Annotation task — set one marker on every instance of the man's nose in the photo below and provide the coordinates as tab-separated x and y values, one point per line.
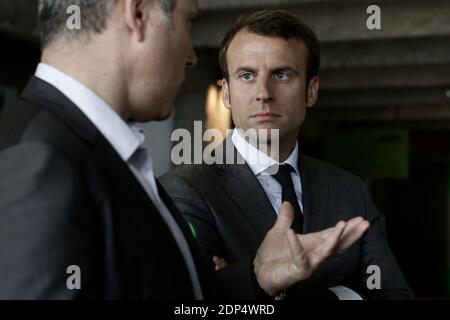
192	59
264	91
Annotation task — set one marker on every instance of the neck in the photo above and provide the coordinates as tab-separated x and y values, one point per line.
88	65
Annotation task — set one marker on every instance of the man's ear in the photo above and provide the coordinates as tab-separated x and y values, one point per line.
313	92
226	94
136	17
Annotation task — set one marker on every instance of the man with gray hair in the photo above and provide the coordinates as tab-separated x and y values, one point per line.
81	214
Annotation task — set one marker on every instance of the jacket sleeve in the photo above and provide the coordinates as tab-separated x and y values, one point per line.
49	246
236	280
196	213
381	277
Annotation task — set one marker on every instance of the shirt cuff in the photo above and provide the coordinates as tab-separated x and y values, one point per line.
344	293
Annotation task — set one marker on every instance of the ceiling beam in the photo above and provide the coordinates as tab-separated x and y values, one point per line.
346	21
382	97
394	52
220	5
385	77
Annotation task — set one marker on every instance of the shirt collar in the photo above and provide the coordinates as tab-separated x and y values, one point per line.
257	160
124	137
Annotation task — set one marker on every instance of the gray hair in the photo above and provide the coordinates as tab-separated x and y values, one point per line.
94	13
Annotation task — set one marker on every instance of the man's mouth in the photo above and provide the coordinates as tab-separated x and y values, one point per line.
266	116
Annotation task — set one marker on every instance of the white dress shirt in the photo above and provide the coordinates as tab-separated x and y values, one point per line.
127	140
259	163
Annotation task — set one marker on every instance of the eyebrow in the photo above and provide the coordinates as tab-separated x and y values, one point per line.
244	68
285	68
276	70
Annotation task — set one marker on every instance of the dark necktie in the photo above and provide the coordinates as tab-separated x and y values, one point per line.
283	176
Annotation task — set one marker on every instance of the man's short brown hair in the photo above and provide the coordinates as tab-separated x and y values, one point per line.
274	23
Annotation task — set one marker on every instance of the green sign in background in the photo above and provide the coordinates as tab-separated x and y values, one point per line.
369	153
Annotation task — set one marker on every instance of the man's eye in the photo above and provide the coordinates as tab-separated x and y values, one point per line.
247	76
281	76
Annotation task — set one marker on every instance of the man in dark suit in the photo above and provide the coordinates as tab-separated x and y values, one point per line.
81	214
270	62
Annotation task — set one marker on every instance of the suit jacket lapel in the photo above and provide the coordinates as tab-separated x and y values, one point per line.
244	189
314	196
147	214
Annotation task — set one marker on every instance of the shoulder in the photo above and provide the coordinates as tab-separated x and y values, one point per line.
191	173
35	161
188	181
35	174
41	150
330	172
32	129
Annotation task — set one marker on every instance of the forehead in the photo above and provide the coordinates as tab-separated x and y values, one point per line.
250	48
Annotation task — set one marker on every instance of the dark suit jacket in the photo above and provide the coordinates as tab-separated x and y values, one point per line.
232	213
67	198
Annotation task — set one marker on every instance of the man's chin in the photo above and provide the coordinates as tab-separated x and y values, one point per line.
165	116
165	113
162	115
267	126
